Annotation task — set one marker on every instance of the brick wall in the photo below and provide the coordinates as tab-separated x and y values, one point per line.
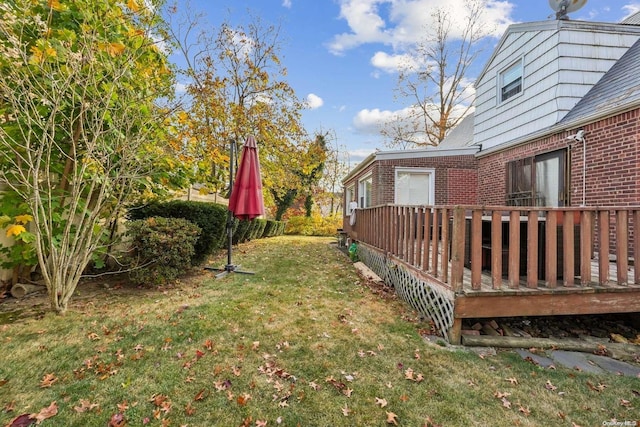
453	173
613	163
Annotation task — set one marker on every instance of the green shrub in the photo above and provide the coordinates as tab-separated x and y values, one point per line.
161	249
258	230
315	225
210	217
241	231
270	228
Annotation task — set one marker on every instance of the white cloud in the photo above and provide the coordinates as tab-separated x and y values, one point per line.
393	63
286	3
400	23
371	121
180	88
314	101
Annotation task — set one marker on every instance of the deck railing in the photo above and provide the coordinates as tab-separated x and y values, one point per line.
516	246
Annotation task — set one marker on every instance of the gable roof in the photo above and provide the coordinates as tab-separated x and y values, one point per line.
460	136
632	20
617	89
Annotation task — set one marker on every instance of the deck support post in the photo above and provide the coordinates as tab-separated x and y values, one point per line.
455	332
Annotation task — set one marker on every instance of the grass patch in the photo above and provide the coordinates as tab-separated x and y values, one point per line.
301	342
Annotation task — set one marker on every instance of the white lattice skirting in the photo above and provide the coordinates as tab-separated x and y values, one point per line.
426	299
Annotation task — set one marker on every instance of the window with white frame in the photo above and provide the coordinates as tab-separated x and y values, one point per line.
365	186
349	197
415	186
510	81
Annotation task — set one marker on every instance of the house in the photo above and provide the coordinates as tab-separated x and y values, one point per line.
555	152
545	82
449	173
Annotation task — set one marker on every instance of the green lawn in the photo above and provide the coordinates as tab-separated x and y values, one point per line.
301	342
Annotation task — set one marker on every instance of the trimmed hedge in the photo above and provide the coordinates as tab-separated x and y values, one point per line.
274	228
161	249
210	217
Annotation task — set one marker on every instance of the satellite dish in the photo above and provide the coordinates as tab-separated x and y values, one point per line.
563	7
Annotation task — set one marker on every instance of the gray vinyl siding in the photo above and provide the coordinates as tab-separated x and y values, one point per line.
562	61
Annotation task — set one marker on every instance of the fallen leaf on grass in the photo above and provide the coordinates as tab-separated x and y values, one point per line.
513	380
202	394
243	399
430	423
23	420
189	409
506	403
117	420
550	386
381	402
85	405
48	380
392	418
525	411
346	411
261	423
626	403
600	387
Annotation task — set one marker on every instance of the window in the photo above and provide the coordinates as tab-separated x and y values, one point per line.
538	180
364	191
414	186
349	196
511	81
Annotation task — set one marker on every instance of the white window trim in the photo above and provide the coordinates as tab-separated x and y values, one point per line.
499	81
366	177
432	181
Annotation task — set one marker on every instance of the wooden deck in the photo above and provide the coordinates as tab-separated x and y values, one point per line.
493	262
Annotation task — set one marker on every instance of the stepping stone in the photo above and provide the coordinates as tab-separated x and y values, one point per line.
615	366
545	362
576	361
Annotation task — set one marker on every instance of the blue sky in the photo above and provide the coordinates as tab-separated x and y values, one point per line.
342	55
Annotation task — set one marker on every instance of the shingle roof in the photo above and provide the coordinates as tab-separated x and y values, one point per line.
632	20
619	87
460	136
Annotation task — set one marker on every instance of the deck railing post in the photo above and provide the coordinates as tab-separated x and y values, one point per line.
444	242
551	249
457	248
622	246
496	249
568	256
532	249
586	247
603	247
514	249
476	248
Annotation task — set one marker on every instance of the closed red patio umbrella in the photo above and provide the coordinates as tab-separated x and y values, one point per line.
246	200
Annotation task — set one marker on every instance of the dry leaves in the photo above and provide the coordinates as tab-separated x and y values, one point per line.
381	402
392	418
48	380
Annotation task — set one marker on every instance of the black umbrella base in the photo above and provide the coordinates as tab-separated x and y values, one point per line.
229	268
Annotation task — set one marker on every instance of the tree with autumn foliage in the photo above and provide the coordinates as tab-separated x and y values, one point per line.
436	83
79	122
236	88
